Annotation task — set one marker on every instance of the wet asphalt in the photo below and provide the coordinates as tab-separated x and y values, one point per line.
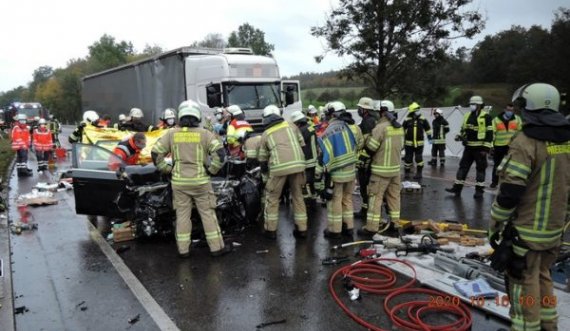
66	282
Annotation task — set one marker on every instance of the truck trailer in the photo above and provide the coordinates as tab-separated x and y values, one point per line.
211	77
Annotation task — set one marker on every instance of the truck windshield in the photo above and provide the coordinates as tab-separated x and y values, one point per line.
29	112
253	96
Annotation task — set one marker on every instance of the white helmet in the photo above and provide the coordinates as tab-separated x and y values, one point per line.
122	117
335	107
21	117
136	113
389	105
439	111
297	115
90	116
234	110
42	121
189	108
476	100
271	110
311	110
168	113
537	96
366	103
218	110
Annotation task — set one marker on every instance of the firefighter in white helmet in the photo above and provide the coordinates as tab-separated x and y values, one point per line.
90	118
167	119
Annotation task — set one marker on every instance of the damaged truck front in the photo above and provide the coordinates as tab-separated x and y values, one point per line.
211	77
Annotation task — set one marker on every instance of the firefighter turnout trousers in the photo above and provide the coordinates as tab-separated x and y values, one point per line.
470	155
339	208
533	303
184	197
412	153
273	190
435	150
378	189
364	173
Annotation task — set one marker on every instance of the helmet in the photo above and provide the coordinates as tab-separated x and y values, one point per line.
21	117
122	117
189	108
413	107
389	105
366	103
438	111
311	110
234	110
271	110
476	100
42	121
168	113
297	116
335	107
218	110
537	96
136	113
90	116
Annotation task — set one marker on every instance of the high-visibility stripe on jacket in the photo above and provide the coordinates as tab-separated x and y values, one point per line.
541	168
127	151
478	129
42	140
338	151
20	138
386	143
281	146
367	124
504	130
414	130
236	131
251	147
310	150
194	151
440	129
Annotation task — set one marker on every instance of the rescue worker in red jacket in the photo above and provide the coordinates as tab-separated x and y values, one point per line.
43	144
236	131
21	144
128	150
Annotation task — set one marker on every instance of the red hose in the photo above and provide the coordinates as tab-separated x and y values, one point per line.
383	284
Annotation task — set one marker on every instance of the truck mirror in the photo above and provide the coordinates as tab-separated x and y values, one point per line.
214	95
289	96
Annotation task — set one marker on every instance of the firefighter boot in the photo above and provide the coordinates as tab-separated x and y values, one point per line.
456	189
433	163
419	171
407	173
478	192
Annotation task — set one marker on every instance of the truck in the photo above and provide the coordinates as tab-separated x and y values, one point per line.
34	111
211	77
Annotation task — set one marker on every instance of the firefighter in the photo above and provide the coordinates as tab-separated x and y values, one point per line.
167	119
220	126
43	144
54	127
532	205
309	150
237	129
338	158
135	122
128	150
384	144
90	118
21	144
440	129
251	149
477	136
105	122
505	126
121	124
281	157
415	126
312	116
369	119
196	153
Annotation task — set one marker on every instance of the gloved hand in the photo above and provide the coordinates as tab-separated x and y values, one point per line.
327	193
502	255
390	116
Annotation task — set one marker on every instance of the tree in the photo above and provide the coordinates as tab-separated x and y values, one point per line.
248	36
40	76
107	53
396	44
212	40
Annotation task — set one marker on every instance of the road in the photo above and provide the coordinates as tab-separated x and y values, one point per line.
69	278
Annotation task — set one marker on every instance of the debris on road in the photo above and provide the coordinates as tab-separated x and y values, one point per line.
21	310
18	227
262	325
135	319
122	249
263	251
123	232
37	198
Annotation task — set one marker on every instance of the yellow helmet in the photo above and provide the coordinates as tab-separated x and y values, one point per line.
413	107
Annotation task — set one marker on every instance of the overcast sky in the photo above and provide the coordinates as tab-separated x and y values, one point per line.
38	32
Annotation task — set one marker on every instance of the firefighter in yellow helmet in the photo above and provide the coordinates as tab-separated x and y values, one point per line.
196	153
415	127
532	206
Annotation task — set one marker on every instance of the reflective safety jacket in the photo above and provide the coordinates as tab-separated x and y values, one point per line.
414	129
282	146
385	144
236	131
20	138
127	151
338	151
54	126
251	147
440	129
535	191
504	129
310	149
42	140
367	124
477	129
195	153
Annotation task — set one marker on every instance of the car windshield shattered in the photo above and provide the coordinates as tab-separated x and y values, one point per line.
95	157
253	96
